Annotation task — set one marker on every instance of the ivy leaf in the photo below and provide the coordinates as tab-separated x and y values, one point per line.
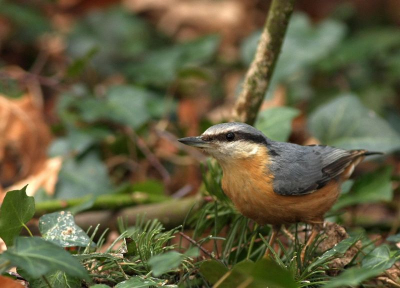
213	270
60	229
57	279
276	276
17	209
276	122
379	258
139	282
124	104
39	257
394	238
168	261
346	123
304	46
74	178
118	35
371	187
161	67
129	105
353	277
252	275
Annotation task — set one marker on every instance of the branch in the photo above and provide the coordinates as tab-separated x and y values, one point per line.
170	213
108	201
260	71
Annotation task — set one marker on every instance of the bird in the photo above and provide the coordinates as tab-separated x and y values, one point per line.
277	183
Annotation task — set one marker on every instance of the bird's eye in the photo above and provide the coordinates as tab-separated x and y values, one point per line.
230	136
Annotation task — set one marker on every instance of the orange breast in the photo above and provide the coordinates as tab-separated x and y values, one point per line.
249	184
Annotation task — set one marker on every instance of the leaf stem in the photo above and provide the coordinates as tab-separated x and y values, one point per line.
27	229
47	281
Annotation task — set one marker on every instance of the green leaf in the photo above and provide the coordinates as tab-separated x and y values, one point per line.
263	273
139	282
213	270
118	35
17	209
158	68
353	277
60	229
129	105
199	51
165	262
100	286
39	257
77	141
369	188
10	88
394	238
29	21
78	65
337	251
124	104
161	67
57	279
170	260
78	178
276	276
304	46
346	123
305	43
379	258
276	122
364	45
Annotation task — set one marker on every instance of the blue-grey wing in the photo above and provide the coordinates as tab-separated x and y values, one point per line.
300	170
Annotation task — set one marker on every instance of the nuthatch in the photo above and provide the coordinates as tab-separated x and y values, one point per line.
274	182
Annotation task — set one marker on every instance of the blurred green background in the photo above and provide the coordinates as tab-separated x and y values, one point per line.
110	85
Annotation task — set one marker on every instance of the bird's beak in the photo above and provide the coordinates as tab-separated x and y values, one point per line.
194	141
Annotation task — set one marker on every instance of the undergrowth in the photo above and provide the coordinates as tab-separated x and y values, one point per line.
216	247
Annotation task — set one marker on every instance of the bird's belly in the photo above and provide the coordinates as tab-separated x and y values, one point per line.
257	200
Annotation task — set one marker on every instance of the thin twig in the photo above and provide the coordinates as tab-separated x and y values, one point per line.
205	251
149	155
39	63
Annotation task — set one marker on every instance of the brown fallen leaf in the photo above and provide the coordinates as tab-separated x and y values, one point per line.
7	282
24	137
45	178
334	234
188	19
3	246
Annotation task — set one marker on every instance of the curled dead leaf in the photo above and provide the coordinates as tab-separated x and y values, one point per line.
185	19
45	178
7	282
334	234
24	138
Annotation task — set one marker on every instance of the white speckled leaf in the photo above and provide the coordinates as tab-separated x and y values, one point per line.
60	228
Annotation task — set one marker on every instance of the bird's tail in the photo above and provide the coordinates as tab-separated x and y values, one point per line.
368	153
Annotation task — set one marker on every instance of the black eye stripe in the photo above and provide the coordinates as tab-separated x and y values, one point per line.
238	135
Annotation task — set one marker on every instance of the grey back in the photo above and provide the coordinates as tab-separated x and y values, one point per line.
300	170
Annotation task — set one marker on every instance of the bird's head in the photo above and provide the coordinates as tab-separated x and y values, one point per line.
229	141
